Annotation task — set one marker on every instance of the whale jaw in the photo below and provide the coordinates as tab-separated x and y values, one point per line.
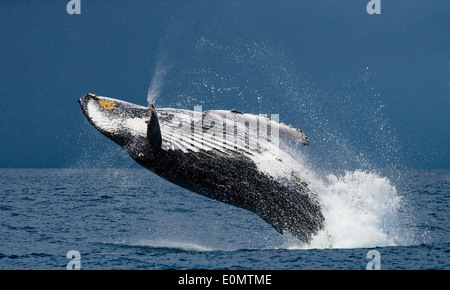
124	123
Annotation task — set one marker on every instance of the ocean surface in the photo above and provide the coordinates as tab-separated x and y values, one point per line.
133	219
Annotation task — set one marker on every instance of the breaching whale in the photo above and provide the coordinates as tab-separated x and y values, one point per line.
228	156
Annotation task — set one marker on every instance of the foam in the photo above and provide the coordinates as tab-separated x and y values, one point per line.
185	246
360	210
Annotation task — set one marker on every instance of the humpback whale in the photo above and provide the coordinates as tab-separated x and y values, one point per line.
227	156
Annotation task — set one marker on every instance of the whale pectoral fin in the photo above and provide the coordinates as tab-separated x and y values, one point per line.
153	131
284	131
291	133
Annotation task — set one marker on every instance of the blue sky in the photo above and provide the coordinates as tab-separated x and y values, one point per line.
366	88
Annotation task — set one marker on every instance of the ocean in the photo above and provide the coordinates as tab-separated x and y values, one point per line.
371	92
129	218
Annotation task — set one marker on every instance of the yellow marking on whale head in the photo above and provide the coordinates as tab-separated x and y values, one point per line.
107	104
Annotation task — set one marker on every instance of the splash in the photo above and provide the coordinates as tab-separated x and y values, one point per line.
361	210
156	84
166	244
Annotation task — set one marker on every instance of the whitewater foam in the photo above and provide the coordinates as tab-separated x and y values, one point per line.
360	209
167	244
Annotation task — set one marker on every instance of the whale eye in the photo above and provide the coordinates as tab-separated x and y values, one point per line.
107	104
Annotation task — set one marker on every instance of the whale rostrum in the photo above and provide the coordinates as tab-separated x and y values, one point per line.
229	156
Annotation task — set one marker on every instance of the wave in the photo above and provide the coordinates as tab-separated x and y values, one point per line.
165	244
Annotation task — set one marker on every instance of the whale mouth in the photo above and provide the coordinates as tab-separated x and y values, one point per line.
118	120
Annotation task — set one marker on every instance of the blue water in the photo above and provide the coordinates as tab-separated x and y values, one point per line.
132	219
370	91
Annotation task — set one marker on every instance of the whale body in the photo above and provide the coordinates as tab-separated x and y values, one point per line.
224	155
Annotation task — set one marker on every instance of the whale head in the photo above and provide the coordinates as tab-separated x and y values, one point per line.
133	127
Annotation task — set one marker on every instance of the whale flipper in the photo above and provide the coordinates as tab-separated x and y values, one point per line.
285	132
192	131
